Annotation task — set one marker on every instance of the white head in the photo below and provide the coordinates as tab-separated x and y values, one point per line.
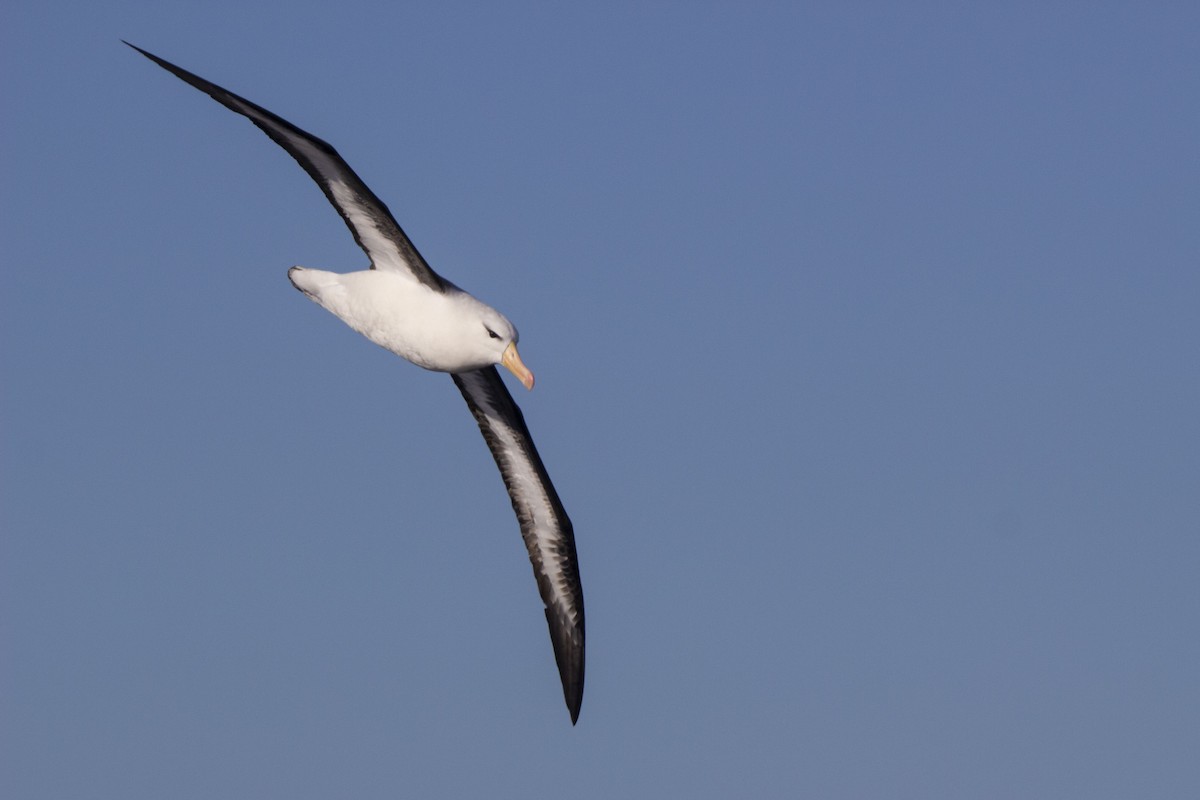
493	339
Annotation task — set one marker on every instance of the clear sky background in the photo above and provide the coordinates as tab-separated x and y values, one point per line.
868	369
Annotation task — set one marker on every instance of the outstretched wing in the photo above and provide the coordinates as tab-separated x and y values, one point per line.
544	524
373	226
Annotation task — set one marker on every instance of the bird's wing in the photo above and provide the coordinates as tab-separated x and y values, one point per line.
373	226
544	524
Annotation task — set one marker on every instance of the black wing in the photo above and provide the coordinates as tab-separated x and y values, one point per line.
544	524
373	226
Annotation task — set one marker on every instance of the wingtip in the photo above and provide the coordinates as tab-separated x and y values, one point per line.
575	710
151	56
572	683
574	697
569	651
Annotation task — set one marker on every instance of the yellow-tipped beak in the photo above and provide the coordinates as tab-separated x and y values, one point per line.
512	361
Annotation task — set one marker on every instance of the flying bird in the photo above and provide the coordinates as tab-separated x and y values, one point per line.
401	304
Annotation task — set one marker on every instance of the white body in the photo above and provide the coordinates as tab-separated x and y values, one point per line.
443	331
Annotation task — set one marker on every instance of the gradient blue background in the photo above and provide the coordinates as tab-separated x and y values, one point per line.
868	369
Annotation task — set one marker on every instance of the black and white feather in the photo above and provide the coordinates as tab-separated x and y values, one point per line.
369	220
545	526
401	304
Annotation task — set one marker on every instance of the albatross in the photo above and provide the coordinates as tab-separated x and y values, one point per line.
401	304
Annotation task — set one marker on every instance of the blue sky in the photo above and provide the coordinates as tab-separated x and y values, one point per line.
866	342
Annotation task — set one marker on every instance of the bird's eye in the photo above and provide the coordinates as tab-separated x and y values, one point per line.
491	332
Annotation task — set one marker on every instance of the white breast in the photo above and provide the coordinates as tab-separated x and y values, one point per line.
399	314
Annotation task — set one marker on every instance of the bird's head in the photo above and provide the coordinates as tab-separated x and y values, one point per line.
498	338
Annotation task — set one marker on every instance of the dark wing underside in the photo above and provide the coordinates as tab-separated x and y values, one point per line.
370	222
544	524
